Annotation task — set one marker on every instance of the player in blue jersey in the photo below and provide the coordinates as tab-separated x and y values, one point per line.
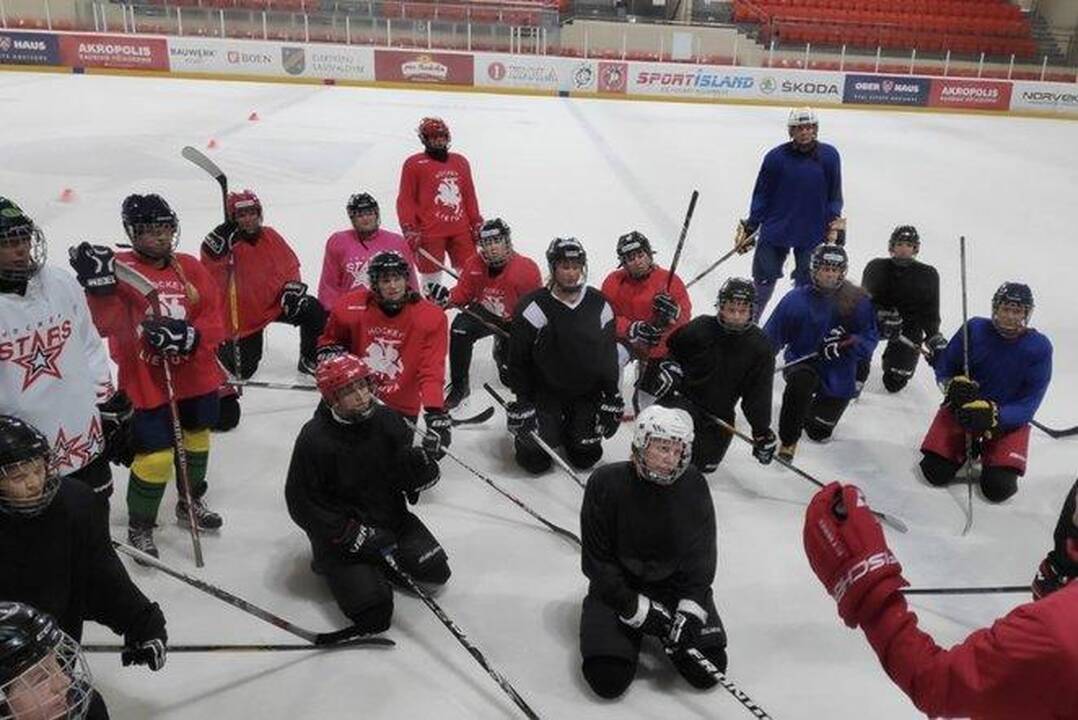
831	323
1010	365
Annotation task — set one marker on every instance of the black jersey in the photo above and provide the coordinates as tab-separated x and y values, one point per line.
350	471
62	562
913	290
721	366
643	538
566	350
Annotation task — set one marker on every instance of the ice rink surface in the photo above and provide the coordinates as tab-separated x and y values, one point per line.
594	169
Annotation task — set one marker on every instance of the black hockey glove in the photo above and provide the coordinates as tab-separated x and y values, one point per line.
935	346
644	333
95	267
520	418
170	336
220	240
116	415
667	379
438	294
438	434
294	300
417	471
889	323
665	308
697	665
835	343
147	642
656	619
359	540
961	391
763	446
979	417
1049	579
608	414
684	631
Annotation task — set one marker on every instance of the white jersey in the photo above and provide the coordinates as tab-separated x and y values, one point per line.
54	368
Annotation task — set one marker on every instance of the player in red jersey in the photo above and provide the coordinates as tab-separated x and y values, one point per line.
645	311
257	275
490	285
400	337
436	205
184	330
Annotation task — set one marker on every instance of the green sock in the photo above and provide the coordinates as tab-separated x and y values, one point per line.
197	462
143	499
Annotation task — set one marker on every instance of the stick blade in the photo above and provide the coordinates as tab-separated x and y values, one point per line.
199	158
477	419
348	635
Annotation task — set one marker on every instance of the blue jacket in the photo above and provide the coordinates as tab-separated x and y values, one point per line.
1013	373
802	319
797	195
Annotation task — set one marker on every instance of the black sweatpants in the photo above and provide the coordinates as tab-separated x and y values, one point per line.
562	423
805	406
463	335
310	322
899	364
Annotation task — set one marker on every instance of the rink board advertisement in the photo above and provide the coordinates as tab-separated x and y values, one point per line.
806	87
970	94
690	80
426	66
232	57
29	48
534	72
123	52
886	90
1045	97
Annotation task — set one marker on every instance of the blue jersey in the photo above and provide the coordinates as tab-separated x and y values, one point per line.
797	195
1012	372
802	319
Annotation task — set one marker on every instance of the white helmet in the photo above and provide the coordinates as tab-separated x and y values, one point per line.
802	116
656	421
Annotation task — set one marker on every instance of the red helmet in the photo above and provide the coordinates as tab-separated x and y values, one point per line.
432	127
244	200
335	372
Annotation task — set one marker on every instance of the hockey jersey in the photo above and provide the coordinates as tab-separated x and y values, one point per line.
797	195
54	369
405	351
631	299
190	295
263	266
344	266
437	198
913	290
497	293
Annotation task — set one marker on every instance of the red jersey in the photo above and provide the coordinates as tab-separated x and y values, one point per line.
1024	666
263	266
119	314
437	199
496	293
631	299
405	352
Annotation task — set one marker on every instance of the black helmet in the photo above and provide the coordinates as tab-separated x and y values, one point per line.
632	241
565	249
140	211
1018	294
906	234
16	227
736	289
22	442
492	231
361	202
382	264
827	255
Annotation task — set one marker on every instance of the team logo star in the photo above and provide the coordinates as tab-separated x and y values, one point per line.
68	452
39	361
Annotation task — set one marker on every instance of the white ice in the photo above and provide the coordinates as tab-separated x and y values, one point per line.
594	169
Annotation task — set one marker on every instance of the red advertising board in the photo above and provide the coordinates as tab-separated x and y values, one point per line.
423	67
969	94
128	52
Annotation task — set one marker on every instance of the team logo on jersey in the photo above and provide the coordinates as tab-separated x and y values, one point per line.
384	359
75	452
494	302
358	271
38	353
449	197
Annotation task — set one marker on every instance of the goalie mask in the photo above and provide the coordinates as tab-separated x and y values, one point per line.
662	444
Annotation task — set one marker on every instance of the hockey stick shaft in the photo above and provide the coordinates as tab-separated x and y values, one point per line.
965	371
701	275
1052	433
504	684
796	361
729	686
464	309
681	239
538	440
1002	589
371	642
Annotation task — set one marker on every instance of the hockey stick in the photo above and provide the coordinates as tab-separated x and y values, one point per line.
460	636
1068	432
749	242
362	642
534	435
199	158
965	371
464	308
135	280
796	361
726	683
567	534
330	638
681	239
967	590
891	520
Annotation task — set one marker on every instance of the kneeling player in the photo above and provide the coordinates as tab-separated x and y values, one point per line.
1061	564
352	468
649	553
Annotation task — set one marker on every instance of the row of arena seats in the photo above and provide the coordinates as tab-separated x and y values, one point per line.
486	12
920	23
955	8
869	37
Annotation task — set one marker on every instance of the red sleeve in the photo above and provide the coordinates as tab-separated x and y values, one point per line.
610	291
1006	670
338	331
471	202
529	279
431	375
407	197
207	317
464	291
109	312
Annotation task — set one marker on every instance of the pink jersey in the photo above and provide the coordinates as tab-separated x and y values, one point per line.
345	265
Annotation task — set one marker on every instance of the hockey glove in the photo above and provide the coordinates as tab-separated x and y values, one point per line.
116	415
763	446
935	346
95	267
520	418
846	549
359	540
836	231
651	617
835	343
644	333
220	240
329	351
438	435
667	379
608	414
147	642
170	336
417	472
743	237
889	322
1049	579
665	308
979	417
961	391
438	294
294	300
